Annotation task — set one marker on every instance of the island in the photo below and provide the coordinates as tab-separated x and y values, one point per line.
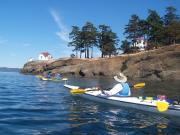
6	69
158	64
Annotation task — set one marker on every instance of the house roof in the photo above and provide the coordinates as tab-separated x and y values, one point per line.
46	54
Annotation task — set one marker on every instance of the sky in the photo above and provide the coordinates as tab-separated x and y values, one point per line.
29	27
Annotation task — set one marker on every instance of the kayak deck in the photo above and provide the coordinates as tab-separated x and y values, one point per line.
71	87
134	100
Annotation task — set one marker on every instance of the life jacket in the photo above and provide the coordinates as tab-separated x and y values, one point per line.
125	91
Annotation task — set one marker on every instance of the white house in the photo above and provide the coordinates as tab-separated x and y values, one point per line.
140	43
45	56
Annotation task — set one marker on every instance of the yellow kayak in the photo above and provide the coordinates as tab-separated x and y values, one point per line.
49	79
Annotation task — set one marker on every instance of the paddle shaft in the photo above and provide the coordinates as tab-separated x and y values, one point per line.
138	85
81	91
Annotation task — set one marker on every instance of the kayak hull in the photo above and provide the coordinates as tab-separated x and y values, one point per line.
128	102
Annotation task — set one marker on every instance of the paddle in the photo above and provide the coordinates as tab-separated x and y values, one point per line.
82	91
139	85
162	106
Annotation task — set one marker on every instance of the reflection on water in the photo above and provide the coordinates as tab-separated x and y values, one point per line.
29	106
112	120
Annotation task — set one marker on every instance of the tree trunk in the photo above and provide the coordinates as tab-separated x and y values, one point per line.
87	52
76	54
174	41
102	55
92	52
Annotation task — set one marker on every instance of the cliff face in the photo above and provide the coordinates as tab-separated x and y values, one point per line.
159	64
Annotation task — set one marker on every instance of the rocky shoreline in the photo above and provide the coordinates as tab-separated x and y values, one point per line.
159	64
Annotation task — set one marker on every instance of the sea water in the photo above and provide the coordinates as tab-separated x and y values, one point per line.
29	106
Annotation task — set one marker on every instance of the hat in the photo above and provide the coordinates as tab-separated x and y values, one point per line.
120	78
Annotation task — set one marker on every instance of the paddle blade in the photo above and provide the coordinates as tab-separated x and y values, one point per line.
139	85
39	76
44	79
162	106
78	91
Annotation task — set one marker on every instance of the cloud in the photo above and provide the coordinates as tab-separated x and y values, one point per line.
63	32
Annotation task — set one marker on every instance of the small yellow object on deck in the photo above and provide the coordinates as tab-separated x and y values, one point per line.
162	106
149	98
139	85
78	91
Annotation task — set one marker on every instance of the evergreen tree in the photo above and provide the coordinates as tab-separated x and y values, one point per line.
173	32
107	40
76	40
132	29
143	29
74	35
102	38
171	21
125	46
156	29
170	16
89	36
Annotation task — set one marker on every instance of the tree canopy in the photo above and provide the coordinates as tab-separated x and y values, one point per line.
132	28
107	40
170	16
156	31
89	36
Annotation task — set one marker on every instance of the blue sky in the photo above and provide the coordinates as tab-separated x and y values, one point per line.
28	27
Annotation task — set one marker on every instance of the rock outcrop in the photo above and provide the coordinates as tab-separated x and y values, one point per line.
158	64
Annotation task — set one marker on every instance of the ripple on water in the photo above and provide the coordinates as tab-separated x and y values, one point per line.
29	106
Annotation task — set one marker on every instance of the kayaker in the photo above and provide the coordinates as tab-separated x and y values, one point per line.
120	89
48	75
58	76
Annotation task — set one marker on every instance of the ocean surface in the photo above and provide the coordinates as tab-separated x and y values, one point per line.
29	106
